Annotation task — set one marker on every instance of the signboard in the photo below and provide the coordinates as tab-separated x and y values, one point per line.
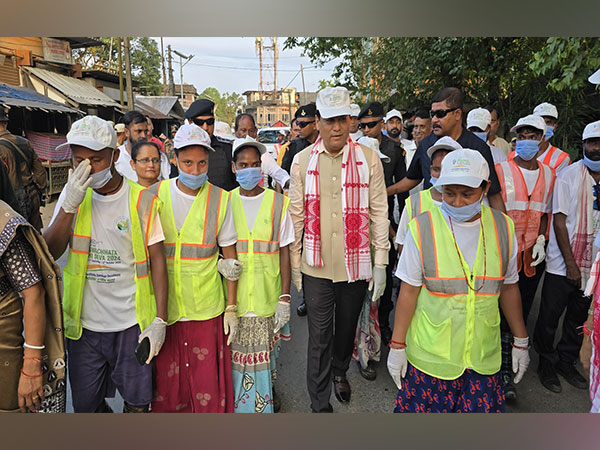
57	51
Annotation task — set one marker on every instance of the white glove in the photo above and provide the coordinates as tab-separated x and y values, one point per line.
397	365
230	268
230	322
271	168
79	181
538	252
155	332
377	283
282	315
520	357
297	278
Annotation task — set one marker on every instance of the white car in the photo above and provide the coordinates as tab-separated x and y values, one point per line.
268	136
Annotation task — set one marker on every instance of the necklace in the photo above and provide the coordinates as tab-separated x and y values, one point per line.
115	189
460	259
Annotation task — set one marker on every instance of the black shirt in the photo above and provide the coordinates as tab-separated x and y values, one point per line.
393	172
219	164
296	146
420	166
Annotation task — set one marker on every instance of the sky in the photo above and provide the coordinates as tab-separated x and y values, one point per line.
231	64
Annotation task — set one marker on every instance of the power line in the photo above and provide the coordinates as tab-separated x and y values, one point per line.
315	69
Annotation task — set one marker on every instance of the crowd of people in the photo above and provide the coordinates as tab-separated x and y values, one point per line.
177	285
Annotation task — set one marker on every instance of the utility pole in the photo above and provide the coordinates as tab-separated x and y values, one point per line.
181	64
120	72
162	60
303	86
171	89
275	69
130	104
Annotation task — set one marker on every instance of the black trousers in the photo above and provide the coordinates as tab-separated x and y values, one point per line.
559	295
386	303
333	310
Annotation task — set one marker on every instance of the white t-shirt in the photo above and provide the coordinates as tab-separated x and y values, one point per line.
109	292
409	267
123	165
498	155
565	200
530	177
403	227
252	205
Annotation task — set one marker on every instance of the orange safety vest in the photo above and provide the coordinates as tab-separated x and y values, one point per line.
525	210
554	157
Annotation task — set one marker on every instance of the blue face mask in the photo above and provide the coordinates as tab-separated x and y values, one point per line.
193	181
481	135
527	149
549	132
594	166
461	213
433	180
249	178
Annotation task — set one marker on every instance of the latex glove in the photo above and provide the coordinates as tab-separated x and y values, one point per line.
156	333
230	322
297	278
282	315
78	182
520	357
230	268
377	283
397	365
538	253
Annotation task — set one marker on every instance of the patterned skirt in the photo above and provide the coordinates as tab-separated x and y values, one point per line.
254	353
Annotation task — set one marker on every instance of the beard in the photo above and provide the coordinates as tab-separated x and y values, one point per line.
394	132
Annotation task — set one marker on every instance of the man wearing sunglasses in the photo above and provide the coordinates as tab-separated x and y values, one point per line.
201	112
446	120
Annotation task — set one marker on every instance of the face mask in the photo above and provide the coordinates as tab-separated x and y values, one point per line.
461	213
99	179
594	166
433	180
549	133
527	149
193	181
249	178
481	135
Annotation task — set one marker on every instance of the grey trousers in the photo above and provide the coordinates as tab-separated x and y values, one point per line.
333	311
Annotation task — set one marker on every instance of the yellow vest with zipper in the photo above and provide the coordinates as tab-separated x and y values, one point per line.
259	286
143	206
455	327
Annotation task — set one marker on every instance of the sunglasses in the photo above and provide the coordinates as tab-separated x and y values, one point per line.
440	113
304	124
201	122
364	125
597	197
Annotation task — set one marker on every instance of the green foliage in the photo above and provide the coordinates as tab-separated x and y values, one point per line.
226	105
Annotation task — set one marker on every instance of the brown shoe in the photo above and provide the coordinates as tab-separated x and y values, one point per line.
341	388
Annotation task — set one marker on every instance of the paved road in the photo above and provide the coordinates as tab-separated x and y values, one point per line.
378	396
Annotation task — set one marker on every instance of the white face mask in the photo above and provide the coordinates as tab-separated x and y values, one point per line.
99	179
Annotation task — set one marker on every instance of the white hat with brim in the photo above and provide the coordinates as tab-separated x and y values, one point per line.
595	77
191	134
392	113
354	110
480	118
443	143
333	102
546	109
532	120
591	130
373	144
464	167
91	132
248	142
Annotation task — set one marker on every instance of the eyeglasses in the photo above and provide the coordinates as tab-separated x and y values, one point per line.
597	195
146	161
440	113
201	122
304	124
364	125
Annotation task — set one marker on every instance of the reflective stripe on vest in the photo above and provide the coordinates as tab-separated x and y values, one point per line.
419	202
555	157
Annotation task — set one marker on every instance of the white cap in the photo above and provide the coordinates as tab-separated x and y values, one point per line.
546	109
373	144
191	134
248	142
591	130
392	113
120	128
91	132
532	120
479	117
223	129
595	77
465	167
333	102
354	110
443	143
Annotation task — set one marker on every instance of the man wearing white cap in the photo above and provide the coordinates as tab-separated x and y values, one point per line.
446	331
394	126
550	154
478	122
527	187
355	133
197	221
264	230
121	136
576	219
339	209
115	237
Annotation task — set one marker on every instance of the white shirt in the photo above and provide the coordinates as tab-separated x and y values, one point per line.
409	267
403	226
530	177
123	165
561	166
565	200
109	292
356	136
497	155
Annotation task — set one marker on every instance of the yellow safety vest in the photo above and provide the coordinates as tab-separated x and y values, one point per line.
195	287
455	327
143	206
418	203
259	286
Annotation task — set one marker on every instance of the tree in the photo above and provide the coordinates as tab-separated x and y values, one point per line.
226	105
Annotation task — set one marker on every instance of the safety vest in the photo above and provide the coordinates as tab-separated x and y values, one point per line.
143	206
418	203
455	327
280	151
195	287
259	286
525	210
554	157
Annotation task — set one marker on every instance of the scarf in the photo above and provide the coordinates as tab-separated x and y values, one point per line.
583	239
593	289
355	211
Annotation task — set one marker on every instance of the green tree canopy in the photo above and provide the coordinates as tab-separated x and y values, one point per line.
226	105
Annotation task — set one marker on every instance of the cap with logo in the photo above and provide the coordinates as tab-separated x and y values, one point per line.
371	109
532	120
201	107
248	142
333	102
309	110
120	128
191	134
480	118
546	109
443	143
354	110
393	113
91	132
373	144
464	167
591	130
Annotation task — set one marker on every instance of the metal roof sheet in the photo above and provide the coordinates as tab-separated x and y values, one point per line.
167	105
28	98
